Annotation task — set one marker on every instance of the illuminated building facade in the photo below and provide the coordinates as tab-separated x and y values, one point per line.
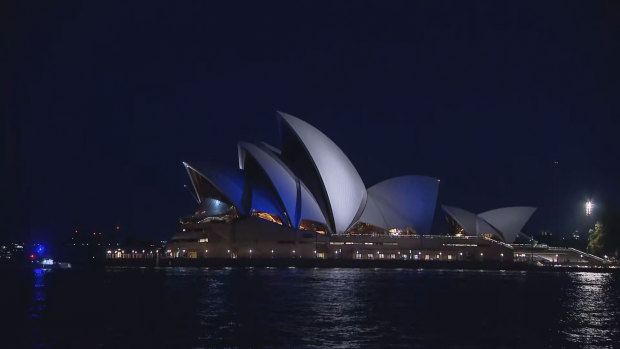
307	200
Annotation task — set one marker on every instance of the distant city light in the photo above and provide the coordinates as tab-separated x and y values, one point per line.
47	262
589	206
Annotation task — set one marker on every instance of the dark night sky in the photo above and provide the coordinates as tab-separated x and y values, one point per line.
102	101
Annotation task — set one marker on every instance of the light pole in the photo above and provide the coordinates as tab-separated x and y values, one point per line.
589	206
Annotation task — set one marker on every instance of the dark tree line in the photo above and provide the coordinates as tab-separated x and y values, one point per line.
605	236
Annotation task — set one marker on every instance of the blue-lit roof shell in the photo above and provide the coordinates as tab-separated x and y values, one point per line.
406	201
294	196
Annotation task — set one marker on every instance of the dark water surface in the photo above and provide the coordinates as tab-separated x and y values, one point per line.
200	307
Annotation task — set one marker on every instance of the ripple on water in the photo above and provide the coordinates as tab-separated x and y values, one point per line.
340	308
591	309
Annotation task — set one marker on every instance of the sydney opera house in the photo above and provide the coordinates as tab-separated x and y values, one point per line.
307	200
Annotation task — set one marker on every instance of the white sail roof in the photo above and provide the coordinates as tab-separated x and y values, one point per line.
466	219
343	196
506	223
509	220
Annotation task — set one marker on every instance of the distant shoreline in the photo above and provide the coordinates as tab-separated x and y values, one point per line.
347	263
320	263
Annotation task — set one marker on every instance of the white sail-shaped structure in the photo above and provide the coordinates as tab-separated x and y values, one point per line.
310	179
504	223
326	170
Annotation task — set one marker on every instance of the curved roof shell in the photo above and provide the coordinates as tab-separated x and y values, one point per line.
467	220
282	181
406	201
509	220
483	227
309	208
373	214
326	170
224	185
311	178
506	223
232	187
294	196
260	197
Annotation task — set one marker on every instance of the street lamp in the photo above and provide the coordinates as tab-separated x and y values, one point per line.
589	206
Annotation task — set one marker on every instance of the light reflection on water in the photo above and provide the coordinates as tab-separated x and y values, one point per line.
282	304
340	308
365	307
591	309
37	306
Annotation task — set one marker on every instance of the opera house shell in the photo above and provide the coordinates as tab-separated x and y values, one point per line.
311	181
504	224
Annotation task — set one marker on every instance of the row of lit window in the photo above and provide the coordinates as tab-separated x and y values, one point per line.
363	243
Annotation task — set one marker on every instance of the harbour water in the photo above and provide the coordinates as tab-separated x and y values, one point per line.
305	307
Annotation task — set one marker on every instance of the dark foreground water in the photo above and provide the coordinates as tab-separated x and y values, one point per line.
193	308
